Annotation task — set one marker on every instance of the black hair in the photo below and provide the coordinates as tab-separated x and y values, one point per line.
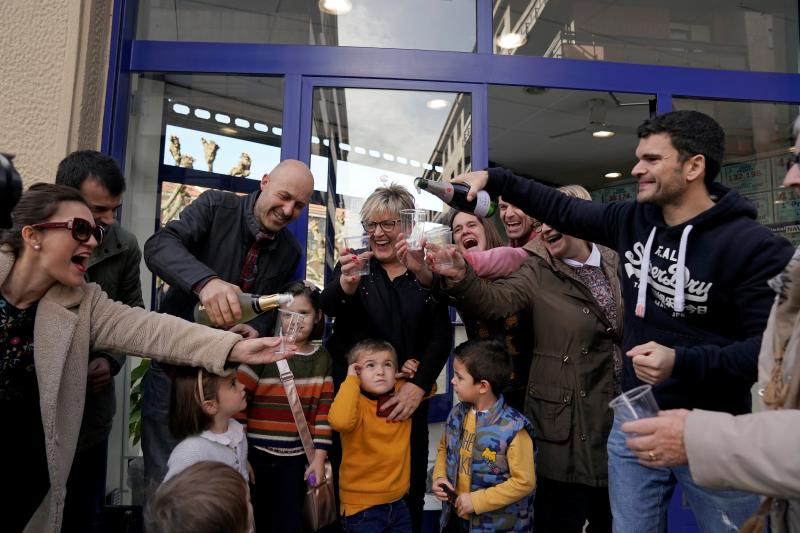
312	292
83	164
692	133
486	360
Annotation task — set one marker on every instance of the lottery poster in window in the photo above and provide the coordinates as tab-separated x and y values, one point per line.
764	205
786	207
780	165
749	177
620	193
598	196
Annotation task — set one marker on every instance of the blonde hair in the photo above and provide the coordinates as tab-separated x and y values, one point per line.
391	199
576	191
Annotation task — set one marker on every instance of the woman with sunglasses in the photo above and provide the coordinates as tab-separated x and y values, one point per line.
50	319
390	305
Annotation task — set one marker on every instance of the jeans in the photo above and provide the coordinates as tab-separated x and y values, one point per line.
157	440
385	518
640	495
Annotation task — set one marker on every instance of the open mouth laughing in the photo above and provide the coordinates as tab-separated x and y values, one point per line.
469	242
81	262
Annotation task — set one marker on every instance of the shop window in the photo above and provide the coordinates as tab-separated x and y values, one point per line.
412	24
760	36
566	137
758	137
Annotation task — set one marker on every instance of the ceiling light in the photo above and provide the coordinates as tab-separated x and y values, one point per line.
511	40
603	133
436	103
613	175
335	7
228	130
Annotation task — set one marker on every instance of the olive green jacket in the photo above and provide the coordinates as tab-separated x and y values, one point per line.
571	377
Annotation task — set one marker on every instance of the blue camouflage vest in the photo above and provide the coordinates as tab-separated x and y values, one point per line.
494	431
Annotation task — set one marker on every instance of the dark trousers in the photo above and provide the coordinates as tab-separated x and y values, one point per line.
456	524
157	440
564	507
86	488
278	492
419	466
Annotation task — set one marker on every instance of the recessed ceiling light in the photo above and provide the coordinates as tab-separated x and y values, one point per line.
335	7
437	103
511	40
603	134
228	130
613	175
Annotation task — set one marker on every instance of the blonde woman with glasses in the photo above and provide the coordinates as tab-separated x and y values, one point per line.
389	304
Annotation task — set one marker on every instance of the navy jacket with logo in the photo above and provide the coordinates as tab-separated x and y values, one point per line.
728	258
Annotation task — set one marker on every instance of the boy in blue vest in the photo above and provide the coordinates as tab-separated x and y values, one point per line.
484	470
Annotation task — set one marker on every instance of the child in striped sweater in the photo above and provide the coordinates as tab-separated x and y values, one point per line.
276	453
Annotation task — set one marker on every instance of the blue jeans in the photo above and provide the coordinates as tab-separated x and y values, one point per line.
640	495
385	518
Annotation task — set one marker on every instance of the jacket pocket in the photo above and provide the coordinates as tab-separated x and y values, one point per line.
550	410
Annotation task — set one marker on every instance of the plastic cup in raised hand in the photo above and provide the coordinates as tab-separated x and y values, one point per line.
438	244
287	326
358	245
412	225
634	404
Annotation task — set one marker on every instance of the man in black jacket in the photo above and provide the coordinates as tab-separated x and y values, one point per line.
222	245
115	267
694	267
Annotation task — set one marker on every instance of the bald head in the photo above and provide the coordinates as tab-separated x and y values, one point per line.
284	194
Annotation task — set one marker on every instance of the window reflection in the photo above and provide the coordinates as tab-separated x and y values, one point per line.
758	36
412	24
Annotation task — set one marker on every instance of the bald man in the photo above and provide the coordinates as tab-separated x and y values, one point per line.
222	245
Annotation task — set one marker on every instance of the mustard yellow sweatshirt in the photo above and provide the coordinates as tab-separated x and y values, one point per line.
376	454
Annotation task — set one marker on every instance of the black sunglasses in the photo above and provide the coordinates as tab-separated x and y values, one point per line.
795	160
82	230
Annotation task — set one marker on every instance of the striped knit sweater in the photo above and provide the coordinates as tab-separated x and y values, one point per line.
268	418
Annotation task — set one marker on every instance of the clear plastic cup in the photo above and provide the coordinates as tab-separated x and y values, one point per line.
634	404
412	225
358	245
438	247
287	326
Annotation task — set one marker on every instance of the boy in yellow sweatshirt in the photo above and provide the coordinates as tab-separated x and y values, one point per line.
484	469
376	454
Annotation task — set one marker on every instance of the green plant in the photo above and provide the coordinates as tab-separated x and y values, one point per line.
135	418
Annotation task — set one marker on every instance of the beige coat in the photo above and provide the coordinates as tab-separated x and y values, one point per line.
71	322
759	452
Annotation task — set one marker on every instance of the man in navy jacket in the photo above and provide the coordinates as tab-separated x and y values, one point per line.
693	324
